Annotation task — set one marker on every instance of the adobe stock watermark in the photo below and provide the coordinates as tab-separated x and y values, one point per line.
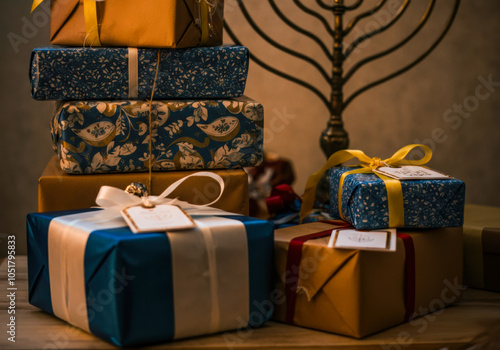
265	308
456	114
449	294
378	20
95	303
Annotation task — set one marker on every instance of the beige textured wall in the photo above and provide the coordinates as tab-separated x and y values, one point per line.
409	109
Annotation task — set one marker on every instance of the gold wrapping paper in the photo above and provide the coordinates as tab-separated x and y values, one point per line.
482	247
60	191
357	293
132	23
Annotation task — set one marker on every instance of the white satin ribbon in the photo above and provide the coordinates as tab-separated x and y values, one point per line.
210	277
67	240
113	199
209	263
133	73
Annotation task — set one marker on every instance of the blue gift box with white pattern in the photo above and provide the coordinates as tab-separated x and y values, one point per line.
78	73
427	203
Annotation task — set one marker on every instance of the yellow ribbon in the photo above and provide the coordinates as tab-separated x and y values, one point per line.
35	4
205	25
91	23
393	186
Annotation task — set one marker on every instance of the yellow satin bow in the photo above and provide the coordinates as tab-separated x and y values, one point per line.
393	186
92	23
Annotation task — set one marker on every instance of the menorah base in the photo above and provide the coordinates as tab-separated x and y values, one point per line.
333	139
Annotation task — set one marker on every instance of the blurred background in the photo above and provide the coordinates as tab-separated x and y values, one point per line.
449	102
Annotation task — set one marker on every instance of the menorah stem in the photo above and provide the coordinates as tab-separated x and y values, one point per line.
334	137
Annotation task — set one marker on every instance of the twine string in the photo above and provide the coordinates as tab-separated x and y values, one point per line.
150	122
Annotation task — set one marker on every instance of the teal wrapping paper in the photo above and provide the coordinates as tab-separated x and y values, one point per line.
129	280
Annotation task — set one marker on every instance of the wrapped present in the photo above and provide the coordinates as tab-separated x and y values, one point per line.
358	292
371	200
145	23
78	73
115	136
54	186
88	268
482	247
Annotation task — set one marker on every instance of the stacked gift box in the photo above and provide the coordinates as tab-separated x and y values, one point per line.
358	292
153	100
155	104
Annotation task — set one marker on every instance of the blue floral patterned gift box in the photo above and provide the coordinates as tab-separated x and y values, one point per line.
119	73
427	203
396	192
115	136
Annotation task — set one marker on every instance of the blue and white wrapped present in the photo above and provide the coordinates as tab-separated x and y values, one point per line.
134	289
427	203
76	73
114	136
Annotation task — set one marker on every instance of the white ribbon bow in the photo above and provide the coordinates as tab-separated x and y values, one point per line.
113	199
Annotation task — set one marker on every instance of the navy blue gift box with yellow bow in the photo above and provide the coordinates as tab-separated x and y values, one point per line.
369	200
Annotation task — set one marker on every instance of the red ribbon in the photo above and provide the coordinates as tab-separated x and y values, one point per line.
409	275
293	265
293	269
282	197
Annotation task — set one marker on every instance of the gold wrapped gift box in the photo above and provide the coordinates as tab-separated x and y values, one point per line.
60	191
357	293
133	23
482	247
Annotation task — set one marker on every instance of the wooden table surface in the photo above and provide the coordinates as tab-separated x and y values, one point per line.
473	324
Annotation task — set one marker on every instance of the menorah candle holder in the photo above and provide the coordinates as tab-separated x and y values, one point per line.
335	137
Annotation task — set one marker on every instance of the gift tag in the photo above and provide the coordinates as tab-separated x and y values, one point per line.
364	240
410	172
157	219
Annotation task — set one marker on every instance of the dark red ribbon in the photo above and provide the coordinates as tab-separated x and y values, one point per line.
295	255
293	265
282	197
409	275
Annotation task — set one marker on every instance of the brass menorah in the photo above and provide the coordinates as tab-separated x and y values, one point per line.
335	137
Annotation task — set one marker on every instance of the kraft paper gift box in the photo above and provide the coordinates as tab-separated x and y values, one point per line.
482	247
129	73
427	203
357	293
136	289
60	191
114	136
131	23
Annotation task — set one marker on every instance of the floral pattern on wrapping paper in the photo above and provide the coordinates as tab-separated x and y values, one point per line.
427	203
107	137
102	73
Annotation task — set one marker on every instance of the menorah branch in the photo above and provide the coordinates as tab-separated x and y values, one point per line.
356	19
283	48
379	30
334	137
390	50
300	30
410	65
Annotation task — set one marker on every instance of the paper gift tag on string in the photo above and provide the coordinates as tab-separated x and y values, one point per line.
159	218
381	240
410	172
